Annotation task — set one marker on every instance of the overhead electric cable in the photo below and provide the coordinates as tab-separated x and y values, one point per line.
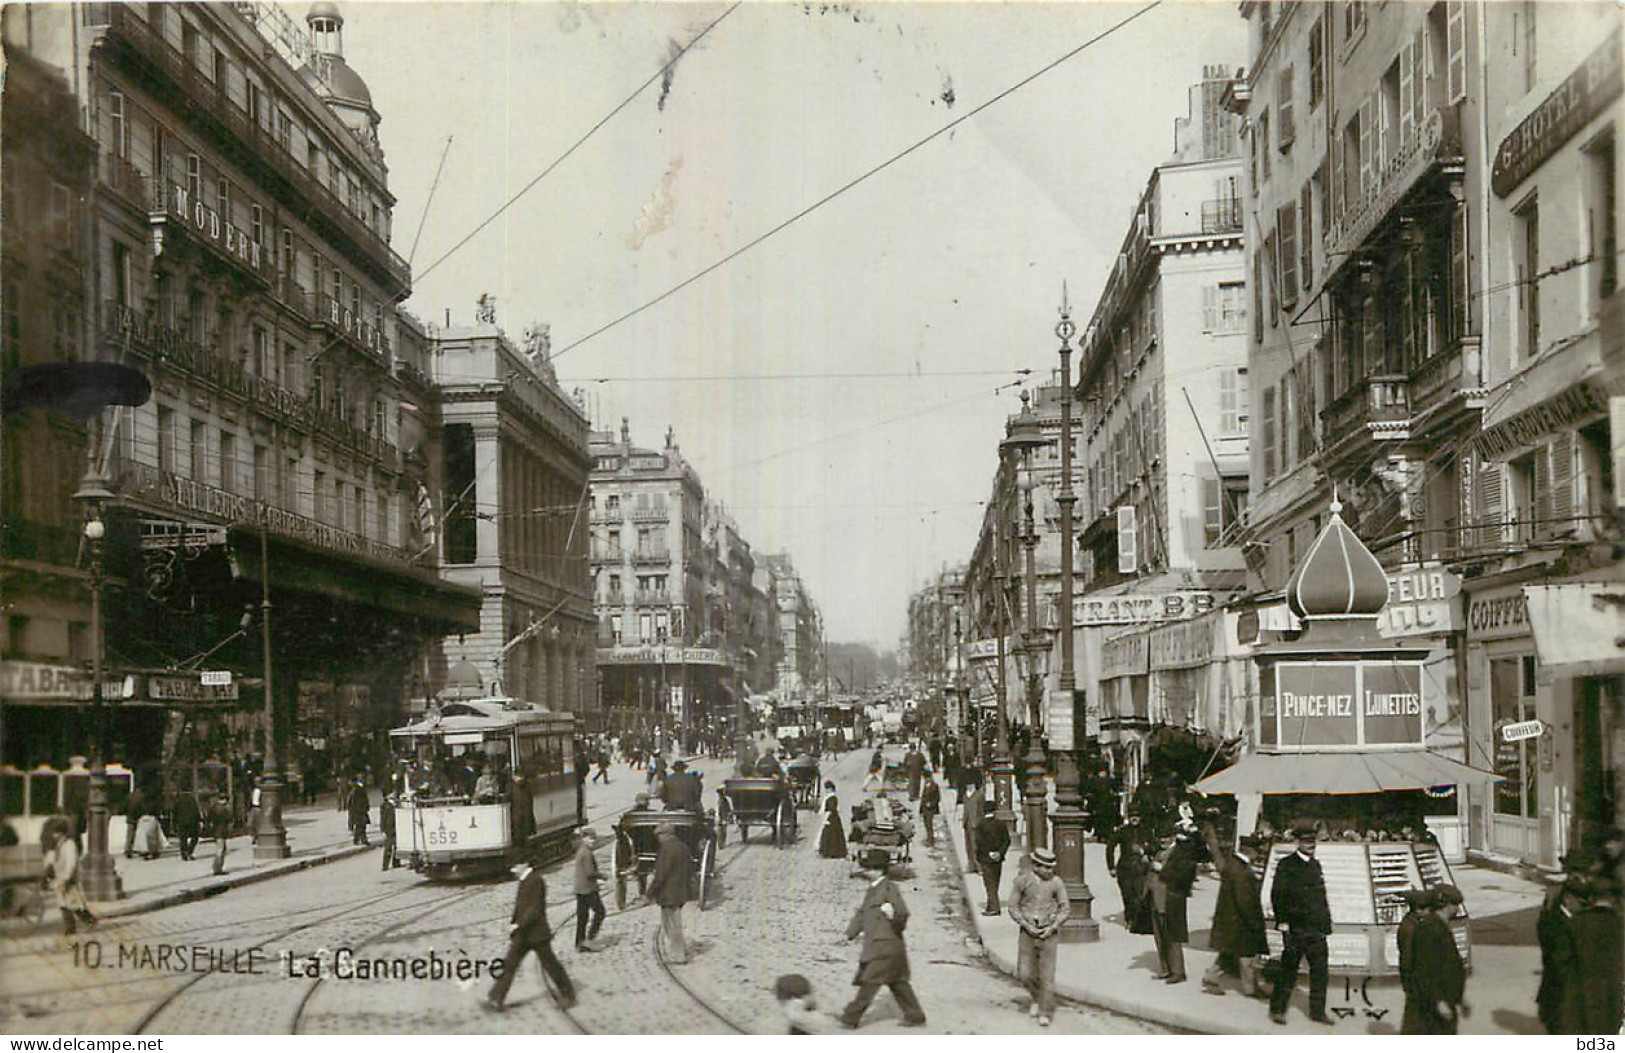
832	195
492	218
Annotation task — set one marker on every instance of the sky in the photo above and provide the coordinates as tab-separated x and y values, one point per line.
842	386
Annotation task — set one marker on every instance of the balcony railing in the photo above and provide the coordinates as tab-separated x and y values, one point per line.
201	92
124	328
1374	400
649	515
1221	215
342	321
125	180
651	597
1451	372
652	555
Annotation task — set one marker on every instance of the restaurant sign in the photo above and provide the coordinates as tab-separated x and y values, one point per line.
1348	705
1140	608
1584	95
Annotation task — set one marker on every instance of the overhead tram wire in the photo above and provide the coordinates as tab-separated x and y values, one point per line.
832	195
492	218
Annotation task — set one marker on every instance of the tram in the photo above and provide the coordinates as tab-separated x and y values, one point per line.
481	783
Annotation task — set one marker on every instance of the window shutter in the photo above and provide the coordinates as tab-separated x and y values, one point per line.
1368	128
1284	105
1539	512
1490	504
1419	87
1229	422
1128	540
1210	308
1306	240
1455	50
1269	433
1560	495
1407	101
1287	224
1212	512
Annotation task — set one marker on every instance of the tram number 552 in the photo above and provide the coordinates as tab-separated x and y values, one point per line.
442	837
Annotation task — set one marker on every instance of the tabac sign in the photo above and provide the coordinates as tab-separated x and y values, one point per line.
1346	705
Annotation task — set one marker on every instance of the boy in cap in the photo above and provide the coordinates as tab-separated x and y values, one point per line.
1039	906
801	1015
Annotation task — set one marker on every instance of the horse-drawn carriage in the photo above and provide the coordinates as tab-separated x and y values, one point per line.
765	801
637	846
802	774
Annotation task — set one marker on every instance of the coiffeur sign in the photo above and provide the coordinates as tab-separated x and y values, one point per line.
1348	705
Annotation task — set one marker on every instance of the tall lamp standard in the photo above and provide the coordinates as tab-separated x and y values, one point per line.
98	876
271	838
1001	769
1081	926
1024	436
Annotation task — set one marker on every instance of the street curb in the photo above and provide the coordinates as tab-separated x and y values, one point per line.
215	888
1083	996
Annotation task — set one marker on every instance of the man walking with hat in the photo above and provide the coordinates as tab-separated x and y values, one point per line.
1430	967
1039	906
1298	898
992	842
880	920
669	888
589	904
530	932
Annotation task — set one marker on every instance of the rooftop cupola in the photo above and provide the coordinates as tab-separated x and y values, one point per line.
1339	577
341	87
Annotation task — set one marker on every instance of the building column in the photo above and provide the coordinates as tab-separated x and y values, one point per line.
488	492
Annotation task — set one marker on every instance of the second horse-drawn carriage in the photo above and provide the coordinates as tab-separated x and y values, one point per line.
762	801
637	846
802	774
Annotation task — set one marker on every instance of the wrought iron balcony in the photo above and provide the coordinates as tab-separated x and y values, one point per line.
1457	370
1221	215
342	321
652	555
649	515
1381	399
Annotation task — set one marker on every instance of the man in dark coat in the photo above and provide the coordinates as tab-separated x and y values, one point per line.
360	813
669	887
135	806
880	920
386	826
220	823
188	822
970	802
992	842
1238	919
1173	875
683	790
530	932
1430	968
1298	898
914	768
930	805
1580	951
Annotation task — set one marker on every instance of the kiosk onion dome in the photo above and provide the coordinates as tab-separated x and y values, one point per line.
1339	577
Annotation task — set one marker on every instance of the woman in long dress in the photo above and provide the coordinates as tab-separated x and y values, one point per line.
832	841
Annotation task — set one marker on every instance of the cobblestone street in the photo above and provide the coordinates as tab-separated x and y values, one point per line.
777	911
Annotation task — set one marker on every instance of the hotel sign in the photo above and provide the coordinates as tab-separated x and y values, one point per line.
1580	98
1347	705
1140	608
1392	181
220	234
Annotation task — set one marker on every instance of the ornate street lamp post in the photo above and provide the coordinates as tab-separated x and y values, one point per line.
1001	770
1069	817
1025	435
271	838
98	876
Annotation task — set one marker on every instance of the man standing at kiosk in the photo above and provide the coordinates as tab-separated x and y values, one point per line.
1304	917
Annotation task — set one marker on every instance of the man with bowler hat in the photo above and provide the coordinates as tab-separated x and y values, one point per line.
880	920
992	842
1305	918
530	932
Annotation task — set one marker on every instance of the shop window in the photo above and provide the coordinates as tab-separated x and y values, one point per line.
1512	701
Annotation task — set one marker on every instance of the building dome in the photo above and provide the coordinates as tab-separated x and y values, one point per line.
323	9
327	72
1339	577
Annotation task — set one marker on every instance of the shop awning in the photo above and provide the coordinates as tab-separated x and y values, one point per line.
1579	627
1342	773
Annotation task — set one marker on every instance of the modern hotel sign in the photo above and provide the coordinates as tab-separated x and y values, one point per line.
1347	705
207	224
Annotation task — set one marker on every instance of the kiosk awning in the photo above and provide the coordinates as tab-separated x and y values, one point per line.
1342	773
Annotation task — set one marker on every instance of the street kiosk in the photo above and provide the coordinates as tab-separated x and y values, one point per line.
1340	746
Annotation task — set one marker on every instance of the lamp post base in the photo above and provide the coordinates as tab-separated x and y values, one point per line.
271	837
1003	774
99	879
1069	821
